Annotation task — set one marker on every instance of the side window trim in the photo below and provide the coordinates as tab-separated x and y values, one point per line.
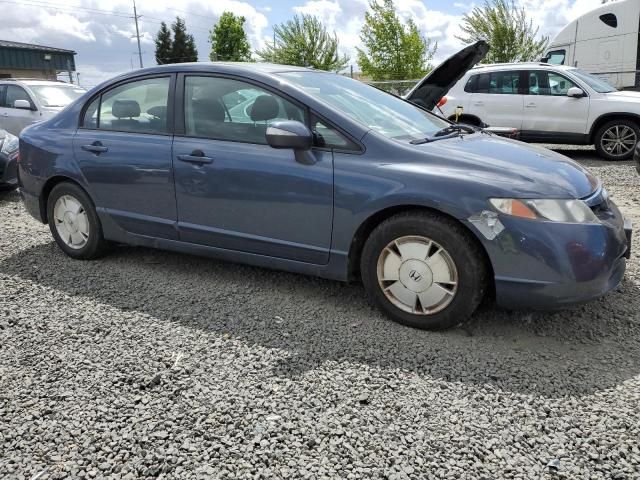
179	117
30	100
574	82
314	115
170	126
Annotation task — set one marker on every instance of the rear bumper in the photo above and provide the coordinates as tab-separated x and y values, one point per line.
32	205
8	170
548	265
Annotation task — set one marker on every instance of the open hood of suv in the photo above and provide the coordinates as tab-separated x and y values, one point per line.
428	92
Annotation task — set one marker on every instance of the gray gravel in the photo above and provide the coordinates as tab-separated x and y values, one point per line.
149	364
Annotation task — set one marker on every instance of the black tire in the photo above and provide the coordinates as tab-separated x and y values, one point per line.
463	250
96	245
622	124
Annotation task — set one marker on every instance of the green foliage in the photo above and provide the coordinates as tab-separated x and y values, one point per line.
163	45
391	50
304	41
184	47
507	29
229	40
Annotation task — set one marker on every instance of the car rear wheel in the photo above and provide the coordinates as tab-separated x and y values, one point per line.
74	223
617	139
424	270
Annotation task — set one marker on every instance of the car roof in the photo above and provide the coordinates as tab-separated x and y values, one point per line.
519	66
33	81
259	67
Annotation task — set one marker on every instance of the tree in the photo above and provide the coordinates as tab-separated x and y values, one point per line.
507	29
184	47
305	41
229	40
392	51
163	45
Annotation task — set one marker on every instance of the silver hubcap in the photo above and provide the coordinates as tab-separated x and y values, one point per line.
619	140
72	222
417	275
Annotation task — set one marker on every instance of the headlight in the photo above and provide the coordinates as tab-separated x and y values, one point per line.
569	211
9	144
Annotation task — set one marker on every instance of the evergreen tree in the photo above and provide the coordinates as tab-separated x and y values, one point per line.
229	40
183	48
164	45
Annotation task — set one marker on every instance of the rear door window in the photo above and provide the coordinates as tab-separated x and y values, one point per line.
138	107
497	83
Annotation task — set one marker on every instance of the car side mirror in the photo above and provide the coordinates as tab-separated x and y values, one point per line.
22	104
575	92
292	135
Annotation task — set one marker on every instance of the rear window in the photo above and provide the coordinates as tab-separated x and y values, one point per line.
495	83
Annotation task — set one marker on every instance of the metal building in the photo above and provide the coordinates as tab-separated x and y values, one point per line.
34	61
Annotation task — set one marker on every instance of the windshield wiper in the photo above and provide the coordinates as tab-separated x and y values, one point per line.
448	132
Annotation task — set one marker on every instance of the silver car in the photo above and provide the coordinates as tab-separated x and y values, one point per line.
24	101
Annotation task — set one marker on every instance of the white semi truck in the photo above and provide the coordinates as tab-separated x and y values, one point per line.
604	41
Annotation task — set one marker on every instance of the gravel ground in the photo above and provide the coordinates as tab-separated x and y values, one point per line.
149	364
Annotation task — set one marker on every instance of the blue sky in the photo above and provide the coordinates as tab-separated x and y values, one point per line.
101	31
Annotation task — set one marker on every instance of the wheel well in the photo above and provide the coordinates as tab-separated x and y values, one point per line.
609	117
46	191
468	119
365	229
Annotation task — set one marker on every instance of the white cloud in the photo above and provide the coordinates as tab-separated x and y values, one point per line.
105	45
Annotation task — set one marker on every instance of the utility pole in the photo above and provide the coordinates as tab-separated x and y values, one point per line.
136	17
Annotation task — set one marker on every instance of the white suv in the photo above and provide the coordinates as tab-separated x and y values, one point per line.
548	104
24	101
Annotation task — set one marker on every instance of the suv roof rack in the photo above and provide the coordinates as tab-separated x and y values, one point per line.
514	64
20	79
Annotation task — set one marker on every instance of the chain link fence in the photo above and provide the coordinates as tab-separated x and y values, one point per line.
396	87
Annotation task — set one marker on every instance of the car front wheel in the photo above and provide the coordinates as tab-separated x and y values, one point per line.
74	223
617	139
424	270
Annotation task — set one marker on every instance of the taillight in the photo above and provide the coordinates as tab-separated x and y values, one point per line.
18	157
442	102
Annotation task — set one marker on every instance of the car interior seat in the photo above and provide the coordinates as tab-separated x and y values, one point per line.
264	108
127	114
207	118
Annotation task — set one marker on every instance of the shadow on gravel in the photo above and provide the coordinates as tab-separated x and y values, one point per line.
313	321
9	196
588	157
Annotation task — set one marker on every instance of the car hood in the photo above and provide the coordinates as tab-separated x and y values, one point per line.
509	167
428	92
624	96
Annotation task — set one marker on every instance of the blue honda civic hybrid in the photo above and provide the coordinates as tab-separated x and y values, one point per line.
320	174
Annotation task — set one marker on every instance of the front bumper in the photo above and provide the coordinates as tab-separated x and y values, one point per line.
547	265
8	170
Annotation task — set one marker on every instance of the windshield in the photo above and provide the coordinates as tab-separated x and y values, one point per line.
597	83
57	95
380	111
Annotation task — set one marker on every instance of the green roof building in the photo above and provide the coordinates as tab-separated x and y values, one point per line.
25	60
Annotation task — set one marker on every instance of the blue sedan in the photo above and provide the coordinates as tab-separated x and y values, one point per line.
316	173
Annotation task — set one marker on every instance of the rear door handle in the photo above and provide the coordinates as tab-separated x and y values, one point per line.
531	105
478	104
5	114
197	156
95	147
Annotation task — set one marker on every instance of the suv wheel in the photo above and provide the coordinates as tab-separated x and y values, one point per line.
74	223
617	139
424	270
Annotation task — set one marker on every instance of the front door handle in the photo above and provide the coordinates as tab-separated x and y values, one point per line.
478	104
197	156
5	114
531	105
96	147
